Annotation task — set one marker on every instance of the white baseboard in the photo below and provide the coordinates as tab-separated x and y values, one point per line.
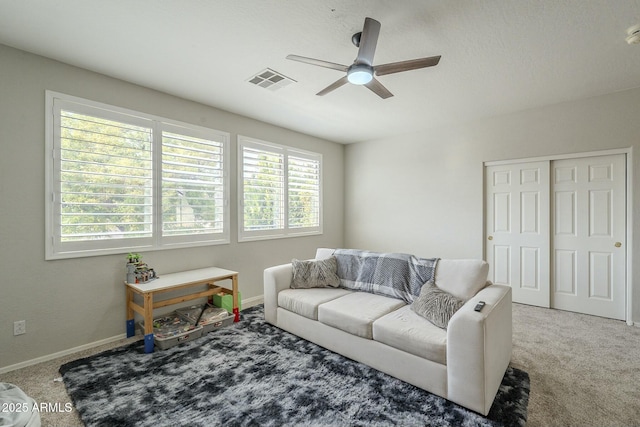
62	353
246	303
250	302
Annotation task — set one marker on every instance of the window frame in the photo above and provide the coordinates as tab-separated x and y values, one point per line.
55	102
285	231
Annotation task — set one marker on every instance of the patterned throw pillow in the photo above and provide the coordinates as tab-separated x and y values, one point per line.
436	305
315	274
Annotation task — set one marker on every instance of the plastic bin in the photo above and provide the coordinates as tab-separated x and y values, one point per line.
171	330
168	342
212	317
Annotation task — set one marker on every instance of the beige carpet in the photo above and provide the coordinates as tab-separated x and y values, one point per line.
584	370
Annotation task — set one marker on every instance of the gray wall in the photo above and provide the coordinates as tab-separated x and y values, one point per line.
70	303
422	193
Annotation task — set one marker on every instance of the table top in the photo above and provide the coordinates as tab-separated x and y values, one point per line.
170	280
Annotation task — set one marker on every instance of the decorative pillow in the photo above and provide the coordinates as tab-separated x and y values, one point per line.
436	305
315	274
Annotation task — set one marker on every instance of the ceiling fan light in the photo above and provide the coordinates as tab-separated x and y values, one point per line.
359	74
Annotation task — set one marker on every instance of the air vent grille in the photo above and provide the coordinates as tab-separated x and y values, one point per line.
270	79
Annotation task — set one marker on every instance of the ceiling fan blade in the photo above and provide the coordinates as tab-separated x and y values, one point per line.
333	86
368	41
318	62
412	64
377	88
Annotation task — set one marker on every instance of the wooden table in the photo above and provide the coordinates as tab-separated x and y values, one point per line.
172	282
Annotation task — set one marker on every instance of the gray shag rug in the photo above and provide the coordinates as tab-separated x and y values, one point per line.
252	373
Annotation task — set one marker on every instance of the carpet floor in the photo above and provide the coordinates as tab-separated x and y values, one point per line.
252	373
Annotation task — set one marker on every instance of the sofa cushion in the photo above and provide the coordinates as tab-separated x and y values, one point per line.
462	278
355	313
436	305
305	302
405	330
315	273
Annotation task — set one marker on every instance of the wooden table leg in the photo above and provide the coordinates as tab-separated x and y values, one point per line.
131	327
236	311
148	322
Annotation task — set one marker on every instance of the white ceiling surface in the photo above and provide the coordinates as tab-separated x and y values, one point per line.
498	56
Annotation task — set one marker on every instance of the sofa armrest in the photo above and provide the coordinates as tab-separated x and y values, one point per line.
479	348
276	279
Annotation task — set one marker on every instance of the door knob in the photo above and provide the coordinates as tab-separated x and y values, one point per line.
490	238
618	244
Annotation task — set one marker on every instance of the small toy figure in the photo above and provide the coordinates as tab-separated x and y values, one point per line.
137	271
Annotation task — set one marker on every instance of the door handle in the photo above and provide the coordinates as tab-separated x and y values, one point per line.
618	244
490	238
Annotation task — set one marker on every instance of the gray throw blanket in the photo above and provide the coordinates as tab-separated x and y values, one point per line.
394	275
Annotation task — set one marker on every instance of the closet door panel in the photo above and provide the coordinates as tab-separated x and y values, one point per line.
517	225
589	221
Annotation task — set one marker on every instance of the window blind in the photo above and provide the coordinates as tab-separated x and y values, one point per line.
304	192
105	179
281	192
263	189
192	185
120	181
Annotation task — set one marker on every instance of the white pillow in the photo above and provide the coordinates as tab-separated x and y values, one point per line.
462	278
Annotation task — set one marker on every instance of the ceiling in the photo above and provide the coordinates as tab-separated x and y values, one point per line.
498	56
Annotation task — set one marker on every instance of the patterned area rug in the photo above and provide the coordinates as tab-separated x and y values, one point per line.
252	373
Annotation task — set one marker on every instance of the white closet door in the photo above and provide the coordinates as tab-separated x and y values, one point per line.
589	233
517	226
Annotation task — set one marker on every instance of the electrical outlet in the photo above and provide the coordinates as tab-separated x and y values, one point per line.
20	327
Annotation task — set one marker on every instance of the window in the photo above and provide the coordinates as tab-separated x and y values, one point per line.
120	181
280	191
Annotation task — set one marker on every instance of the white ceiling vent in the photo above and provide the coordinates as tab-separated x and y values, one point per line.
270	79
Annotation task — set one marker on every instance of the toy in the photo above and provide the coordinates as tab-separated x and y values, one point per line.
138	271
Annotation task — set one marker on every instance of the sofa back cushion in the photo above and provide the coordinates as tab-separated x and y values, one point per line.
324	253
462	278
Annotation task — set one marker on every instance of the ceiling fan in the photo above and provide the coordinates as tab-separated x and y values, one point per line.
362	71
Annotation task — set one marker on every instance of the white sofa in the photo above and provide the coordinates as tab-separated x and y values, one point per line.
464	363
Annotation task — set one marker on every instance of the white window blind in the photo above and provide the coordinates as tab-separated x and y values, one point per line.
121	181
105	179
193	194
263	189
304	192
280	194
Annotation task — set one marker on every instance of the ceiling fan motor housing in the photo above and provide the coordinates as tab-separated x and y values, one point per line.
355	39
360	74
